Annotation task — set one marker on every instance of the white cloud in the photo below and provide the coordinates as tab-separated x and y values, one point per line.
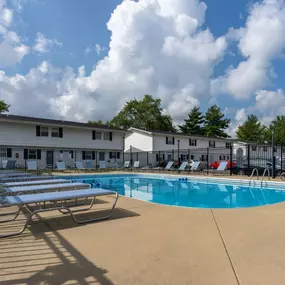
260	41
98	49
42	44
157	47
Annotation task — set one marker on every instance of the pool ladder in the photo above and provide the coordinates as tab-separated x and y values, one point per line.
266	170
252	173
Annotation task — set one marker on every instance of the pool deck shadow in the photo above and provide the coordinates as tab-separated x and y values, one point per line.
146	243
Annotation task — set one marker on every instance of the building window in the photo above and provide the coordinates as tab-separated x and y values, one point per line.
212	144
112	155
101	156
204	157
170	140
265	148
55	132
3	153
98	136
228	145
88	155
192	142
44	131
253	147
169	157
106	136
32	154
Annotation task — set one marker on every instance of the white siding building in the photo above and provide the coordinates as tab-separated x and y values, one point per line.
152	146
49	141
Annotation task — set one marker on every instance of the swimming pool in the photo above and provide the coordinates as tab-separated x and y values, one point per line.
187	192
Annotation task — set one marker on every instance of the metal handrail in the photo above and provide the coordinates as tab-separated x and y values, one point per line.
252	173
263	175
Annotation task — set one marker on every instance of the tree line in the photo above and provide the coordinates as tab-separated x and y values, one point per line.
148	114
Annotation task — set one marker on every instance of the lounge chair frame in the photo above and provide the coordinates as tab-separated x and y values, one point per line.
58	205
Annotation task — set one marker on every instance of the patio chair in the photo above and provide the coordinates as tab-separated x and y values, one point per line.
167	167
34	182
195	166
14	174
60	165
136	165
127	164
89	166
80	167
54	201
222	168
11	164
182	167
32	165
102	164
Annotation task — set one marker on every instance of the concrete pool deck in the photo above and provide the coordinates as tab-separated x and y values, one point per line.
146	243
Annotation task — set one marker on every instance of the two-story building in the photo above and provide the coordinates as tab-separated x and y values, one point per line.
48	141
152	146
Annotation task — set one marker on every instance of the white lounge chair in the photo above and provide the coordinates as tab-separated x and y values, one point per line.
183	166
195	166
32	165
35	182
136	165
56	200
127	164
20	190
79	166
167	167
60	165
102	164
26	178
222	168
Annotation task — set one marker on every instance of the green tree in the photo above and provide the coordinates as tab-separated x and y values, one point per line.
215	124
143	114
99	122
4	107
278	126
251	130
193	124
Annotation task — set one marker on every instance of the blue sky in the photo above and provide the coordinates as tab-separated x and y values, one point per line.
234	65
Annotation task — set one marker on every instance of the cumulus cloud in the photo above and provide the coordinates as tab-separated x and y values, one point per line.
260	41
158	47
98	49
43	44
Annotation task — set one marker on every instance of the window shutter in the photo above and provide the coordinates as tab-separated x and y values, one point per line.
9	152
83	155
71	154
166	140
189	142
173	141
195	142
60	132
156	157
39	154
26	153
118	155
110	136
163	157
38	131
93	155
93	135
110	154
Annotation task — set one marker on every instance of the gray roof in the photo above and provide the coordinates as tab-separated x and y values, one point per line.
56	122
180	134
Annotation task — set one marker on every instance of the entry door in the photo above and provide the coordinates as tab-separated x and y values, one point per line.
49	158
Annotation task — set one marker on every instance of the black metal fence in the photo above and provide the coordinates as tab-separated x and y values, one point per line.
242	158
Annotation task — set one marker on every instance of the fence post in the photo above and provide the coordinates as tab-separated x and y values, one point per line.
147	158
208	158
273	157
231	160
131	155
248	156
281	157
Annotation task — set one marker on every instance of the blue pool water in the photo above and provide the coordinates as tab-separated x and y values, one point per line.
184	193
